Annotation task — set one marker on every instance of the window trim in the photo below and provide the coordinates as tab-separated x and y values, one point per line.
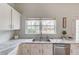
40	26
76	30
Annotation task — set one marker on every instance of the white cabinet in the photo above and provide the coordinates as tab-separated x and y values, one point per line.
9	18
35	49
5	17
74	50
15	19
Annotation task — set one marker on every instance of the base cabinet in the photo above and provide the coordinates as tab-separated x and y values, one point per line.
47	49
35	49
23	49
74	49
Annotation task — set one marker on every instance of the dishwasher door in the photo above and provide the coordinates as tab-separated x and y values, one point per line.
61	49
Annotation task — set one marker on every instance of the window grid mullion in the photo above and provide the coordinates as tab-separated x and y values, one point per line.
41	26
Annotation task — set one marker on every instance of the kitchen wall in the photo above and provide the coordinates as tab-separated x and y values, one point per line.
52	10
5	36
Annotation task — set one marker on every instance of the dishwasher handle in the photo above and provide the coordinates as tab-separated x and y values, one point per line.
59	45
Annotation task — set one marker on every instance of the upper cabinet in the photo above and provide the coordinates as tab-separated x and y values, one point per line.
5	17
15	19
9	18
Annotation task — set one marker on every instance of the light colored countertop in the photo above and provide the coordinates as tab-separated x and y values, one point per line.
54	41
14	43
18	41
51	41
63	41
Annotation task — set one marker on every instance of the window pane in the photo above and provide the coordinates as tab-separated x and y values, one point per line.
32	22
48	22
49	26
32	30
34	26
48	30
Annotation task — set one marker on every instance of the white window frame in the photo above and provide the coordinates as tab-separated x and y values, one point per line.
40	20
77	29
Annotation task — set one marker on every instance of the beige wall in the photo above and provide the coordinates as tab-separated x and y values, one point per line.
50	10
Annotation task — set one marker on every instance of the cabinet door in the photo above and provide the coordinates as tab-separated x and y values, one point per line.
47	49
36	49
74	50
15	19
5	16
24	49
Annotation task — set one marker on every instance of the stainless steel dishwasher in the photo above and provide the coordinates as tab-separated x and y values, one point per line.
61	49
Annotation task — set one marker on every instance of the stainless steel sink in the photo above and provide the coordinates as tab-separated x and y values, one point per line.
41	40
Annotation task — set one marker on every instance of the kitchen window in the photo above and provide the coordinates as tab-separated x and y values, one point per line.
40	26
48	26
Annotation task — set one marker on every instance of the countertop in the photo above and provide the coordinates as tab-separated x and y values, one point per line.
13	43
51	41
64	41
55	41
17	41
